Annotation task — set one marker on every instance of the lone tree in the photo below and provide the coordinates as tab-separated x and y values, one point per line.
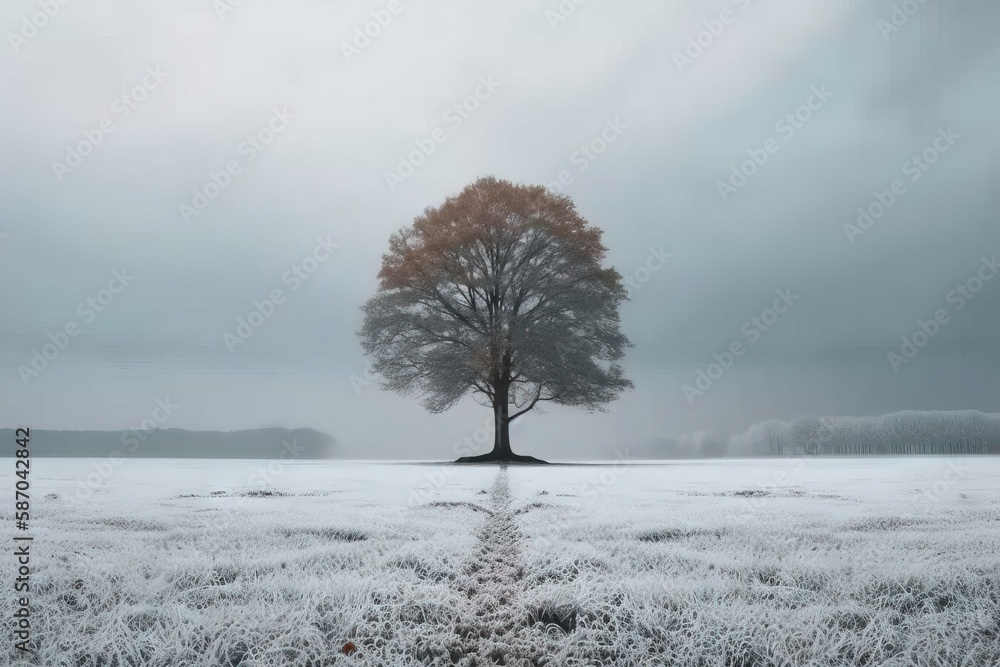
499	292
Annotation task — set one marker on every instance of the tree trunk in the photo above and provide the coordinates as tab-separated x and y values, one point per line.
501	426
502	452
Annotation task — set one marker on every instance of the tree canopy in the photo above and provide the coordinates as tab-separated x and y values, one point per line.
499	292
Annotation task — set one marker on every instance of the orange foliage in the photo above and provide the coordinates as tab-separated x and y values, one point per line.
485	212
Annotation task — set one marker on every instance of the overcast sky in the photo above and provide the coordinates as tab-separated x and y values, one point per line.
338	118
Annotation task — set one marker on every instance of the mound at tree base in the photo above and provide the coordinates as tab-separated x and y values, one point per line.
493	457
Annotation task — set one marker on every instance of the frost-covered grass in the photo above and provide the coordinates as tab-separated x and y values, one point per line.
827	569
750	563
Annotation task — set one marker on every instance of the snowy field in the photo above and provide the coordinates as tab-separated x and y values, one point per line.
737	563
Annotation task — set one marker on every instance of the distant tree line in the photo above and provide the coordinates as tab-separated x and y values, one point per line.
266	443
900	433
